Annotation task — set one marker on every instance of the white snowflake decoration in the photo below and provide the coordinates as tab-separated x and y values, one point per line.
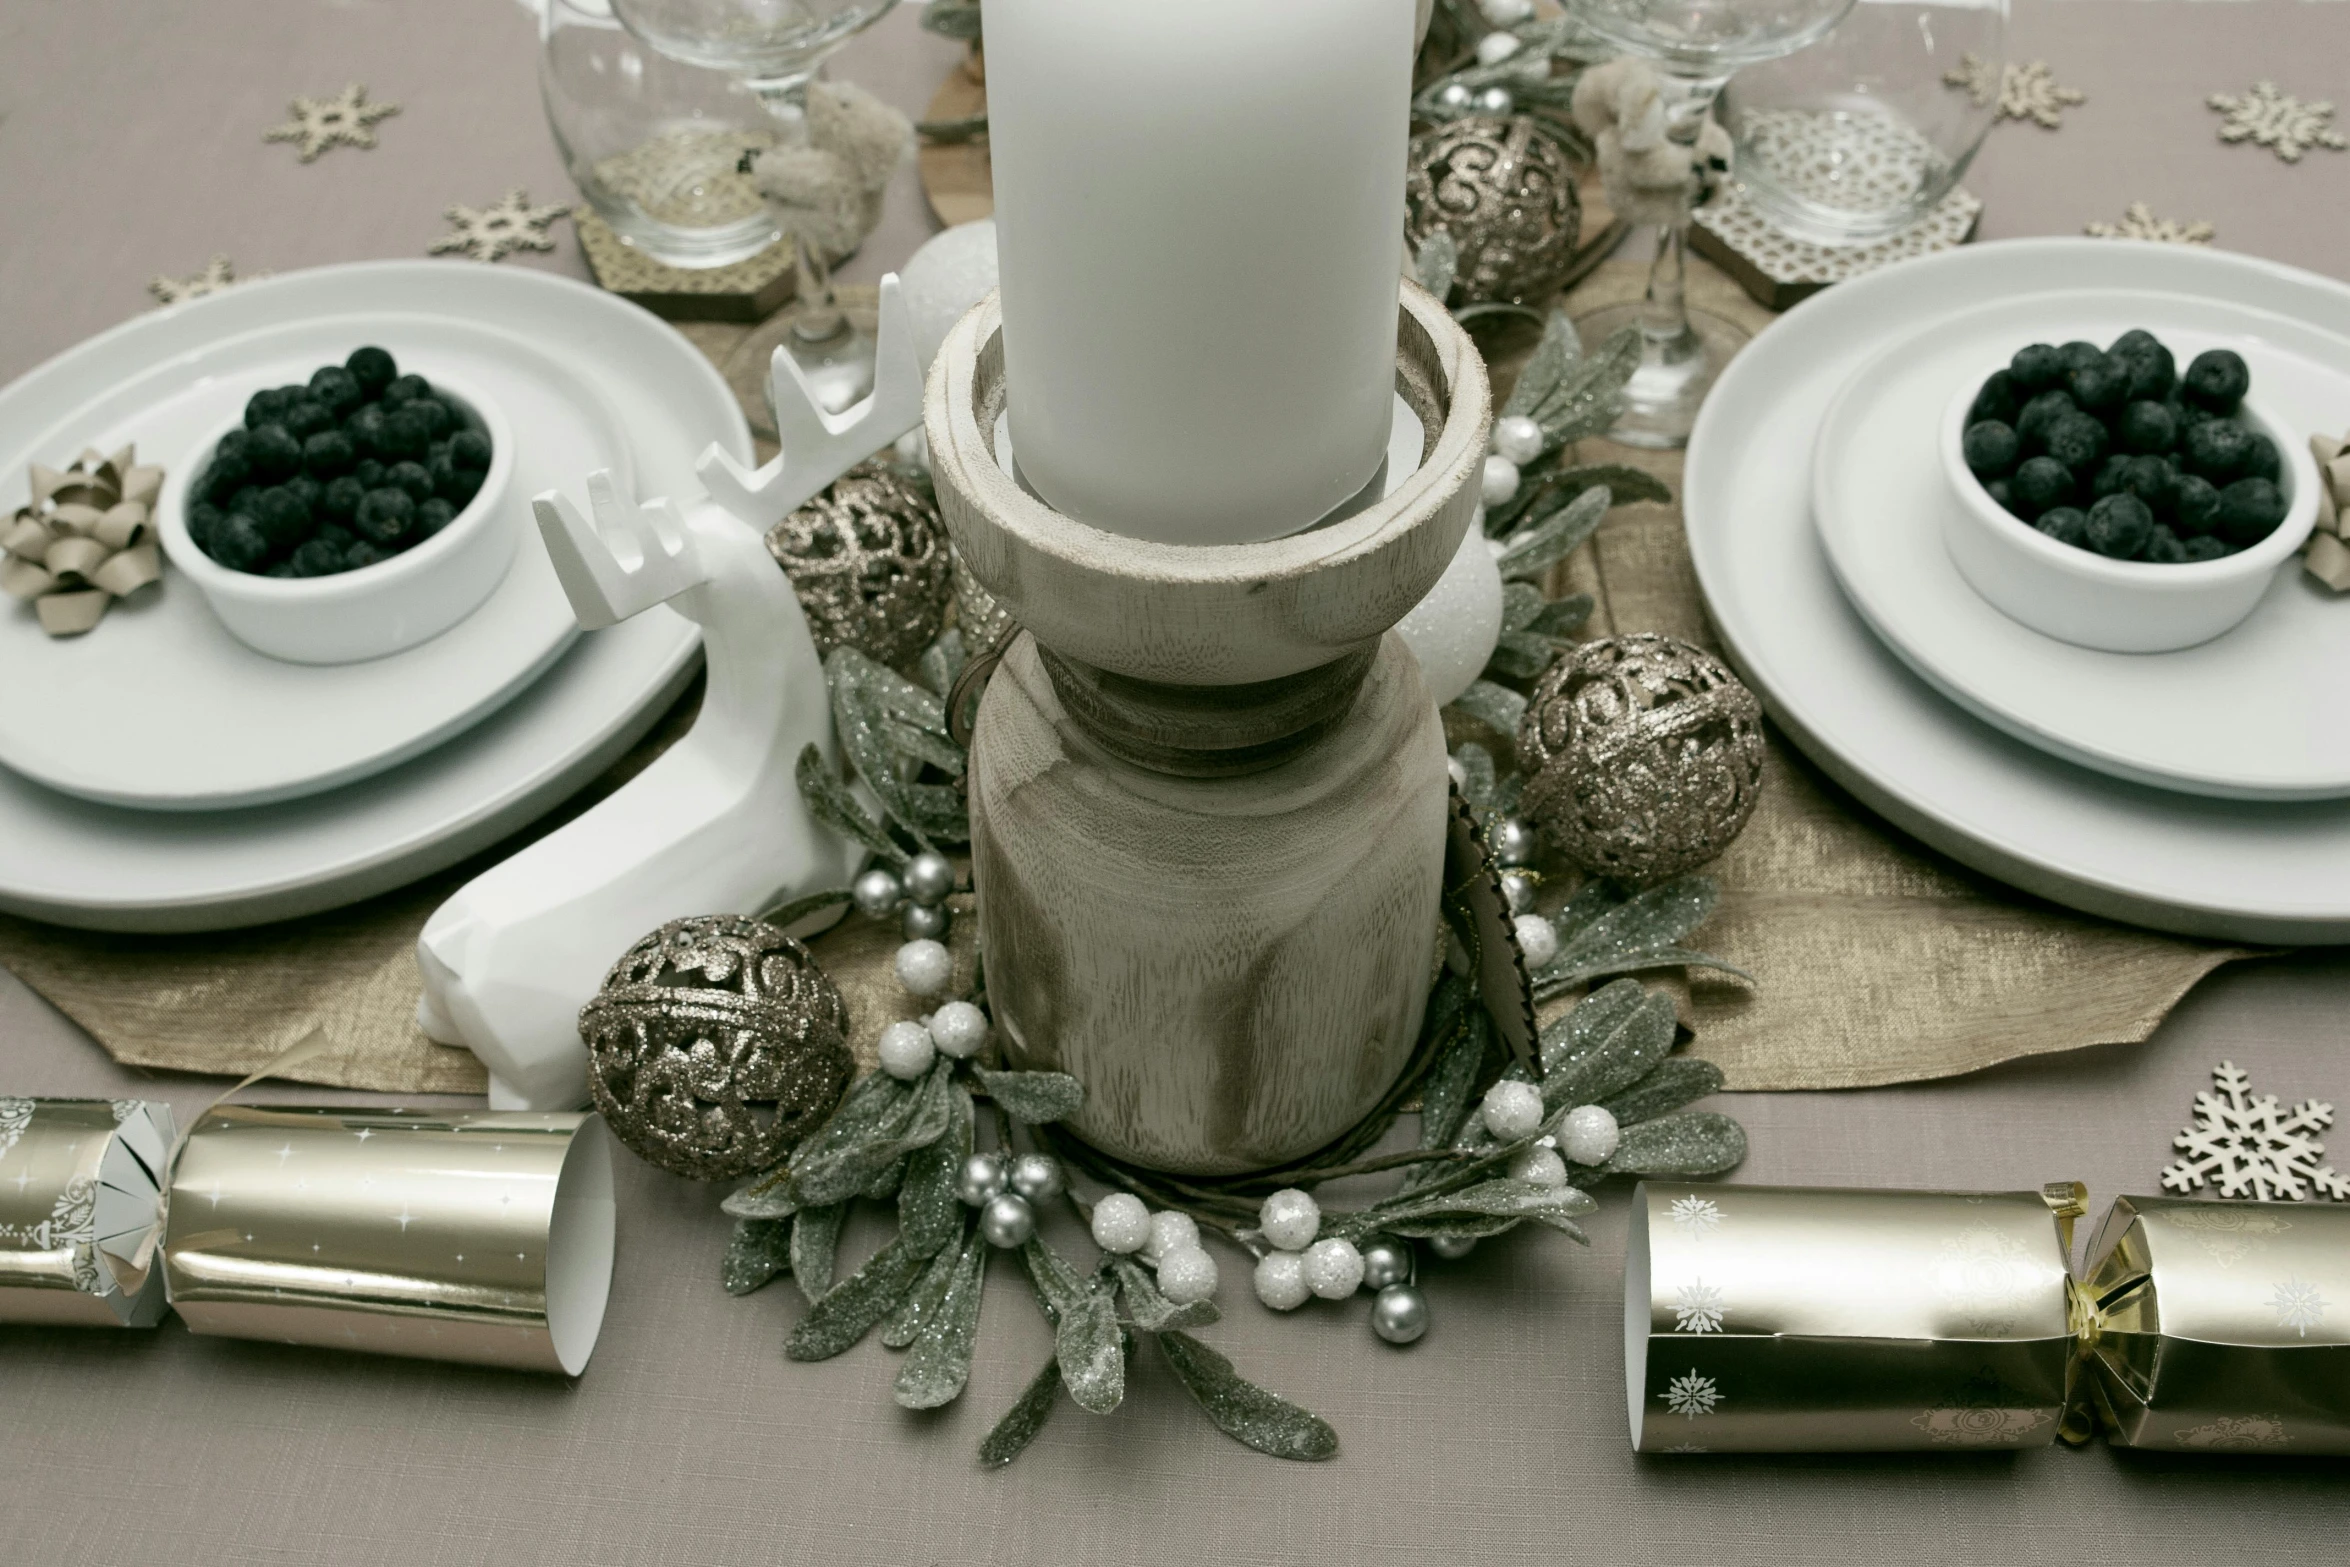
2139	222
1691	1395
2023	92
2252	1146
489	233
1698	1308
345	120
2269	117
1696	1217
2298	1306
218	273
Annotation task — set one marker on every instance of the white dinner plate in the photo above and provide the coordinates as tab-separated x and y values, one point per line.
2238	716
2236	869
161	706
76	862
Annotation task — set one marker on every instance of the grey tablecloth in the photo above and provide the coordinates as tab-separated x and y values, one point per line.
129	146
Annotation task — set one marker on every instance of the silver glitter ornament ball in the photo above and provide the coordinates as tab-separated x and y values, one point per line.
876	893
930	878
1007	1221
714	1044
1399	1314
925	922
868	559
1385	1263
1503	186
1643	757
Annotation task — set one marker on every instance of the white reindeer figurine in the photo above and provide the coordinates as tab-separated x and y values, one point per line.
716	825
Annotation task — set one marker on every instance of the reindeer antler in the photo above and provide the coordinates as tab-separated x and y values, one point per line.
631	558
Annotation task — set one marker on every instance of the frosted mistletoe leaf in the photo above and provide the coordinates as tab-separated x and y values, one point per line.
1024	1419
1590	394
1611	1040
1497	707
1544	545
1477	787
1446	1091
1559	348
851	1308
1438	262
1696	1142
1561	617
1244	1411
890	727
830	802
1519	655
1086	1337
1600	936
1676	1081
815	1242
1035	1098
935	1373
1151	1311
922	1302
929	1214
760	1249
942	662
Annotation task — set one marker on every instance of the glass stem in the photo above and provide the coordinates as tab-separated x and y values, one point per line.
819	319
1665	319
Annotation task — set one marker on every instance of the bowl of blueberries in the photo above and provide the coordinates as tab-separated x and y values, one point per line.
348	517
2113	500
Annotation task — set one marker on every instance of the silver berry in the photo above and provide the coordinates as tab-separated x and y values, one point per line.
980	1179
1517	889
876	893
1455	98
1513	841
1007	1220
1037	1177
1452	1248
930	878
1495	100
1385	1263
925	922
1399	1314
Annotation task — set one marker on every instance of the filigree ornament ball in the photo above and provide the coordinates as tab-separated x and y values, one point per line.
868	559
1643	757
714	1045
1504	188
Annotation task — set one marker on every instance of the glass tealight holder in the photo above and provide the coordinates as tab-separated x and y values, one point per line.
1863	134
655	145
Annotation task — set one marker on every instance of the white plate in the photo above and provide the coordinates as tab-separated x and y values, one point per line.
162	707
79	863
2233	717
2242	870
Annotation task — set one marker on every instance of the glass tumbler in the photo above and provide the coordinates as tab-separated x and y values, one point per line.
655	144
1861	135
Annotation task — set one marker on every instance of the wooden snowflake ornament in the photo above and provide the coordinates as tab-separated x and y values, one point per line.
2023	92
345	120
2139	222
218	273
490	233
2269	117
2250	1146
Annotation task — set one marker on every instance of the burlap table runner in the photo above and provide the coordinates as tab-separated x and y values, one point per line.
1877	960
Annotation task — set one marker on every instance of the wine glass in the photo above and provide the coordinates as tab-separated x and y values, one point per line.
1696	46
776	47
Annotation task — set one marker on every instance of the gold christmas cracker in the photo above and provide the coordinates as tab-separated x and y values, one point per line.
80	1199
1775	1319
480	1236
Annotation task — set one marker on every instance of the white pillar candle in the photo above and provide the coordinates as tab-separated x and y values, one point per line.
1199	206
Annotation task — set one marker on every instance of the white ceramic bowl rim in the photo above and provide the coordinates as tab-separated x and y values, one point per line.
211	575
2282	540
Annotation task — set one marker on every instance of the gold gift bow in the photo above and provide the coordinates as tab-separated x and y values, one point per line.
84	540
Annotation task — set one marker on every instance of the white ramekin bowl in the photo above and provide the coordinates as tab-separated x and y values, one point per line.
2117	606
353	615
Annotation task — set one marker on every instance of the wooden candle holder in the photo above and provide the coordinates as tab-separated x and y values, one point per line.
1207	785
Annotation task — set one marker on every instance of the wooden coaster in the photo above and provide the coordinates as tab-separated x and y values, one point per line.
746	291
1778	269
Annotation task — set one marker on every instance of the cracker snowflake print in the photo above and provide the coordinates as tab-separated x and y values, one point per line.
1696	1217
2249	1145
346	120
1698	1308
2298	1306
2267	116
2139	222
490	233
2023	92
1691	1395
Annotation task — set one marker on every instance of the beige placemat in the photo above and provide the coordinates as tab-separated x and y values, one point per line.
1878	960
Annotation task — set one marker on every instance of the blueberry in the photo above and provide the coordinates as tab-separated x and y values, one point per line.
364	427
340	499
2000	399
2194	506
262	407
2263	460
384	517
316	558
2146	426
464	484
2205	548
328	453
282	517
1990	449
2041	482
273	452
432	516
246	498
340	537
471	449
337	388
229	473
2002	494
284	568
2031	425
2164	547
2036	368
369	472
362	554
2118	527
2077	441
2249	511
2135	338
406	389
2111	475
203	517
412	477
438	421
2076	353
306	490
2153	372
2217	379
238	543
402	435
2065	524
2217	449
2101	385
305	416
2153	481
372	368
